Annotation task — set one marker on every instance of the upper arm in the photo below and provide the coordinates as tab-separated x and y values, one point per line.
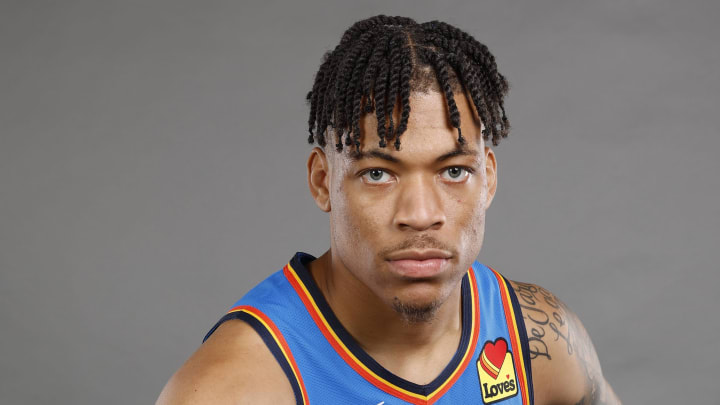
565	366
234	366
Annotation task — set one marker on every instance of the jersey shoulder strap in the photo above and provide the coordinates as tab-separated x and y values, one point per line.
268	308
503	358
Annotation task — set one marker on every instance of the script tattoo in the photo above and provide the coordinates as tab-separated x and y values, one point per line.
548	318
540	321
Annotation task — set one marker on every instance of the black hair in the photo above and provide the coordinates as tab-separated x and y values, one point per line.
381	60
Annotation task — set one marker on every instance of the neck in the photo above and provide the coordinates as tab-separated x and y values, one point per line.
381	331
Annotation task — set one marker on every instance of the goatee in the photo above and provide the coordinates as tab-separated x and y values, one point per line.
416	313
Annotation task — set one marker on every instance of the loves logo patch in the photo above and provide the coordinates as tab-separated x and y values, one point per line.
496	371
493	356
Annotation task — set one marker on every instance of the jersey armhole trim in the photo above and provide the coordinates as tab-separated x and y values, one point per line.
518	337
524	342
274	341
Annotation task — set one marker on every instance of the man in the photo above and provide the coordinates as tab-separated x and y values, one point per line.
397	311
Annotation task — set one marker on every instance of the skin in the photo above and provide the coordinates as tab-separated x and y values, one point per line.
415	205
432	194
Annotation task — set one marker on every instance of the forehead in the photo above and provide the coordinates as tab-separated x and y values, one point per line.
430	108
429	132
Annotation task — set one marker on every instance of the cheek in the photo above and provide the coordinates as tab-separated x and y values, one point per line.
357	219
468	219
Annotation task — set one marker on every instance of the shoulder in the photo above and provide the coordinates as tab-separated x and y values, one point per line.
234	366
565	366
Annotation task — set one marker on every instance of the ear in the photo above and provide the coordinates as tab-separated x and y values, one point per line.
490	175
318	172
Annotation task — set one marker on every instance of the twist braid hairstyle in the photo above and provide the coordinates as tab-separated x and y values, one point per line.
381	60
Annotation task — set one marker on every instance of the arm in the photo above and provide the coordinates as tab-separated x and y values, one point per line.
232	367
565	366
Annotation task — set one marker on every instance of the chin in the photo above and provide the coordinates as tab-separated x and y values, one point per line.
412	312
418	303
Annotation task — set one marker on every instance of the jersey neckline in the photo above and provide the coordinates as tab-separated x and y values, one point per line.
348	348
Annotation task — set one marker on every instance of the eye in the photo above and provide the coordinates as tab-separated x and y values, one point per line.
455	174
376	176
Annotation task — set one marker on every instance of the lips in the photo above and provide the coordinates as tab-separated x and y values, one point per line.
419	263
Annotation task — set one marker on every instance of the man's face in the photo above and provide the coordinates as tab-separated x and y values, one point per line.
407	224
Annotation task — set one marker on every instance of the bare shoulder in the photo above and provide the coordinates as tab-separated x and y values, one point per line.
234	366
565	366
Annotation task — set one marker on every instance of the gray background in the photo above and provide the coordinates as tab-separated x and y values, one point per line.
152	171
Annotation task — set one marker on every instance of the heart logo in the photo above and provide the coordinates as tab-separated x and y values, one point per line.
493	356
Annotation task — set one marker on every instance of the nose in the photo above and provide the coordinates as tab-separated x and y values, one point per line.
419	206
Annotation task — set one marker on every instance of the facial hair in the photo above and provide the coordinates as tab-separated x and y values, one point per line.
414	314
417	313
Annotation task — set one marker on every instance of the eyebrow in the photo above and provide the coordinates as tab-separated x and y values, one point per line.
459	151
356	155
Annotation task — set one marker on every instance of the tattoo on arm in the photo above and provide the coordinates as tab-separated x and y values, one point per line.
540	322
549	320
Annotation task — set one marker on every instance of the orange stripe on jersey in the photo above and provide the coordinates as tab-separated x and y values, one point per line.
514	337
361	368
437	394
279	340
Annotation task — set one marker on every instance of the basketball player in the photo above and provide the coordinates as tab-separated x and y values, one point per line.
397	311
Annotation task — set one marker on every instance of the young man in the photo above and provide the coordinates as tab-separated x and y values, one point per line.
397	311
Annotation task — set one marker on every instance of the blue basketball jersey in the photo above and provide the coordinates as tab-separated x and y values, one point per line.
325	365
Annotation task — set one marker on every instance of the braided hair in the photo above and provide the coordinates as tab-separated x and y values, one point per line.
381	60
